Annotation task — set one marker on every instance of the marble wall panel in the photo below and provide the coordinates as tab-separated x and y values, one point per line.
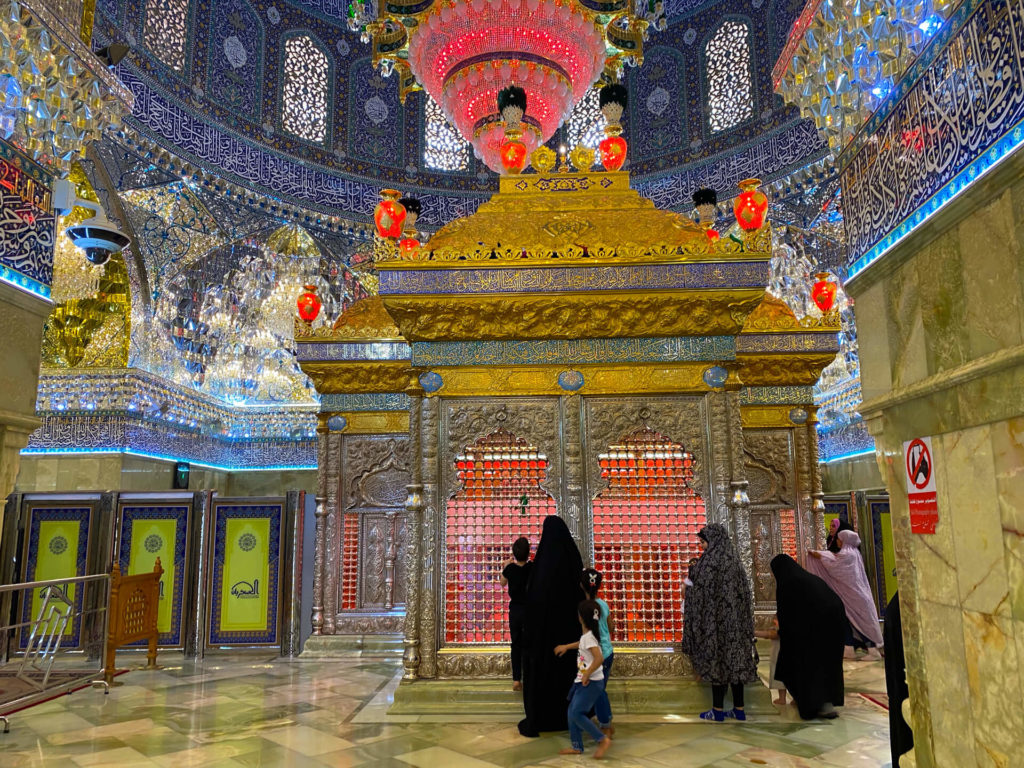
993	677
991	271
906	337
875	371
940	292
974	518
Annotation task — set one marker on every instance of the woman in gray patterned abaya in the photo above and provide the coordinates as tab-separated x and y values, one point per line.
718	622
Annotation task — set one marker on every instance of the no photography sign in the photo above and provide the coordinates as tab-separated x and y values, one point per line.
920	468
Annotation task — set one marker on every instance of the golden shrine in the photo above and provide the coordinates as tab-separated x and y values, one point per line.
569	348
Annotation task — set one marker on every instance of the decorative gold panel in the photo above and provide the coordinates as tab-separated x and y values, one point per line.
765	416
772	315
365	320
350	378
573	316
370	422
782	370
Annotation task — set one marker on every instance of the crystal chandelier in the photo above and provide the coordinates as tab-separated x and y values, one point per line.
464	52
844	56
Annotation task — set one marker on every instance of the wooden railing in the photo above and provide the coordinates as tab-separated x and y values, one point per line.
134	604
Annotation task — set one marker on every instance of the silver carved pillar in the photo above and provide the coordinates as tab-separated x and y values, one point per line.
573	504
414	509
739	500
319	534
429	559
718	508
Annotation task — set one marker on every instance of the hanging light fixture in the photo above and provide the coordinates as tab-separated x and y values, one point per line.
465	52
613	99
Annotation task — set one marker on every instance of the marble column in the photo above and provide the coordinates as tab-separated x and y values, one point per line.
22	318
941	330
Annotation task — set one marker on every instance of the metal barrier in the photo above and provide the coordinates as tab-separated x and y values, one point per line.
41	671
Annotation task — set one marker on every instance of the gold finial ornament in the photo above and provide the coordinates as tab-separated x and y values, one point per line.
582	158
543	159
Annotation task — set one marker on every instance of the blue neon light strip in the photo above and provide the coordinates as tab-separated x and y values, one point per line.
974	171
24	283
141	454
854	455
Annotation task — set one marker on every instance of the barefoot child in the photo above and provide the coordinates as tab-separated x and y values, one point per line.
589	683
590	582
514	575
773	684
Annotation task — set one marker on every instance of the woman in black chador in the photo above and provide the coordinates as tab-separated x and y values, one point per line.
812	636
552	596
718	625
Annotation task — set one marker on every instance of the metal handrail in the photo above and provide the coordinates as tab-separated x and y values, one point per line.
54	582
35	664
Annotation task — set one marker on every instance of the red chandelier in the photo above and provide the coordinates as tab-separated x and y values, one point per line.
465	53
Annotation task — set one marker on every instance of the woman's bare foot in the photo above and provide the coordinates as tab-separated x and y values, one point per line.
516	685
608	730
570	751
602	748
781	701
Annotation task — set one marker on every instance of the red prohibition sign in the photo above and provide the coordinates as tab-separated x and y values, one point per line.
919	464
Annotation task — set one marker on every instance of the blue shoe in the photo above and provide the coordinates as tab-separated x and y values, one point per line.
736	714
713	714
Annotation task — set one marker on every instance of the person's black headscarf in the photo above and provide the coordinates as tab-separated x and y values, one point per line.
832	541
718	614
812	632
552	597
901	737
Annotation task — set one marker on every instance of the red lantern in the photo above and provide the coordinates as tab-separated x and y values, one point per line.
613	152
824	292
389	214
513	156
309	304
712	234
408	247
750	205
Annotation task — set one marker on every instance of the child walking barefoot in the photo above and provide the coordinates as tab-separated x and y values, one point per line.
590	582
589	683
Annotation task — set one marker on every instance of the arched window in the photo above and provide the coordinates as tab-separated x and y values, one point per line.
166	30
727	66
443	148
585	126
305	89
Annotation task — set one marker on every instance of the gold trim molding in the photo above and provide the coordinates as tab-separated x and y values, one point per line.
335	378
773	315
573	316
369	422
760	416
782	370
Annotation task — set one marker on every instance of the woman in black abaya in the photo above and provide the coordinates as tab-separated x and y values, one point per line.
552	596
812	637
901	738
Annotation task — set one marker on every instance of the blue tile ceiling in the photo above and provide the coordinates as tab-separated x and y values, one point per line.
222	111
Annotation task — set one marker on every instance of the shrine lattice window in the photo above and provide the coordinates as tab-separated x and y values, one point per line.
305	90
727	63
443	148
645	534
500	499
166	31
586	123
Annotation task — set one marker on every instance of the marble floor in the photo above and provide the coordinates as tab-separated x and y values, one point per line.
254	711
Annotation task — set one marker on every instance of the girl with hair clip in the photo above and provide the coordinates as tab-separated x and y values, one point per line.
590	583
589	683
